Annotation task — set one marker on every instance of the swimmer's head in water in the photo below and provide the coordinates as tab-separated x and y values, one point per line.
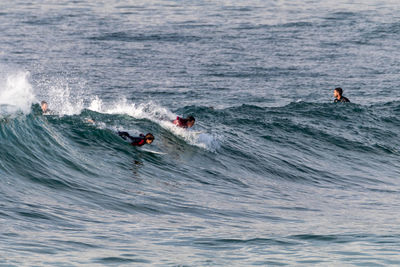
190	121
44	106
338	92
149	138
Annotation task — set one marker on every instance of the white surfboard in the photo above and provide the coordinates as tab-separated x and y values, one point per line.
154	152
196	132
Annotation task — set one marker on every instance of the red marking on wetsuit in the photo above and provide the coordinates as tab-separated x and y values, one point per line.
140	143
178	122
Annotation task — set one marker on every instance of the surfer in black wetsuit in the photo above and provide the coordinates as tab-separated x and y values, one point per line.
138	141
338	94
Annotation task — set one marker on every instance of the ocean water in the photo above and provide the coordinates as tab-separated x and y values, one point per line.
273	173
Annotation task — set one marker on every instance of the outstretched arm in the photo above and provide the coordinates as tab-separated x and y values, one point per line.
125	135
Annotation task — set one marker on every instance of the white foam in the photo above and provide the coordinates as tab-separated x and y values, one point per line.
159	115
96	104
16	93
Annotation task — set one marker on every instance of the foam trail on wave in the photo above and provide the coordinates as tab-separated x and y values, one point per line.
159	115
16	93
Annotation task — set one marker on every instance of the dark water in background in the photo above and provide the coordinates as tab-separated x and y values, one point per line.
279	175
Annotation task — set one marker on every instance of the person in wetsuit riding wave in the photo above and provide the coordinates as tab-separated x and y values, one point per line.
184	123
138	141
338	94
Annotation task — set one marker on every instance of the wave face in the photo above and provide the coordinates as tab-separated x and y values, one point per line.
272	173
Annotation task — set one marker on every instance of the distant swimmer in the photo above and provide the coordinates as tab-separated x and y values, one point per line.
338	94
138	141
184	123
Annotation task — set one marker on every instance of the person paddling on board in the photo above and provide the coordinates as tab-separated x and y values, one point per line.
184	122
338	94
138	141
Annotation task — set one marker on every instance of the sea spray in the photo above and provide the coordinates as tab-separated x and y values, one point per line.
65	97
16	93
63	101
